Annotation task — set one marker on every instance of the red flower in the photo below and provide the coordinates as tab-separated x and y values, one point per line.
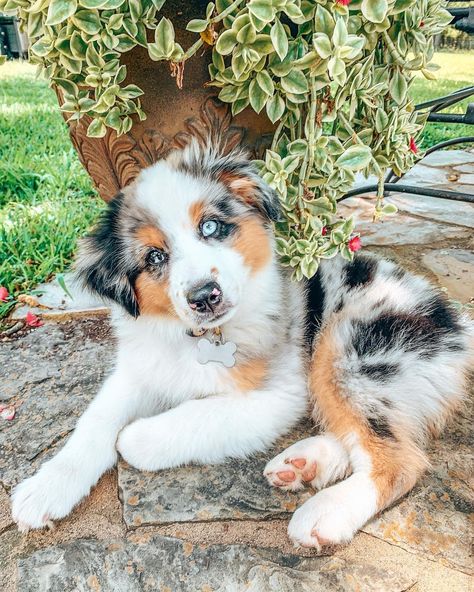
422	24
413	146
324	231
343	2
32	320
3	294
355	244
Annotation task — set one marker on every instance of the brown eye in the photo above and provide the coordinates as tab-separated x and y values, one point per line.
156	257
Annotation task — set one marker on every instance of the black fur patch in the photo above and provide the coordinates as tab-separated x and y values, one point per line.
425	330
107	272
225	207
381	372
315	305
359	272
380	426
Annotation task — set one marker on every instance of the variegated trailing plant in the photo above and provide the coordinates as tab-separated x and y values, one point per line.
332	75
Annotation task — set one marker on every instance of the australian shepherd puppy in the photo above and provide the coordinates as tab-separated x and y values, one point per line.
219	353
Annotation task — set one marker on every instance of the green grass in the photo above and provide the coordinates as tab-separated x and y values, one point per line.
456	70
46	198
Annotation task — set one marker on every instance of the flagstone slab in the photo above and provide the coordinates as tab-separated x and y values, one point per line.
401	229
465	168
467	179
172	565
49	374
54	302
426	176
235	490
434	208
443	158
454	269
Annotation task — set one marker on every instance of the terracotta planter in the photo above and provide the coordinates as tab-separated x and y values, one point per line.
174	115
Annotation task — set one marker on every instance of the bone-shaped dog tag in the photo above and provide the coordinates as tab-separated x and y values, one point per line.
216	352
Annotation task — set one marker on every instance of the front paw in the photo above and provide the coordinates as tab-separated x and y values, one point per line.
134	446
50	494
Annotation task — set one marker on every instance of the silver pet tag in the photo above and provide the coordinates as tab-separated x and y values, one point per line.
209	351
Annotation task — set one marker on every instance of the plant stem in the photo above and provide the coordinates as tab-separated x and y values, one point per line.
277	133
226	12
397	58
192	50
195	46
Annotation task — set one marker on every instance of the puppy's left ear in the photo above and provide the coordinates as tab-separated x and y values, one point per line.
104	265
245	183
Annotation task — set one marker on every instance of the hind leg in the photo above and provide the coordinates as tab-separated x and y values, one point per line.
384	459
317	461
335	514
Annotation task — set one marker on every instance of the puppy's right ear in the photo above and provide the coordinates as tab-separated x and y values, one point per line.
104	265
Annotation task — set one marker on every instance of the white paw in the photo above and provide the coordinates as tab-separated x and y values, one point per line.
50	494
334	515
316	461
133	443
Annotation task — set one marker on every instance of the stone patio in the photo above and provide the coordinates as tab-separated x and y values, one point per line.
222	528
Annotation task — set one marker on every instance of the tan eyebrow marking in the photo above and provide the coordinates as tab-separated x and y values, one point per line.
196	212
151	236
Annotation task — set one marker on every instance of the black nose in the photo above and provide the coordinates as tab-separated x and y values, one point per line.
205	297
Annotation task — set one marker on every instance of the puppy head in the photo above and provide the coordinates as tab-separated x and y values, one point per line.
189	239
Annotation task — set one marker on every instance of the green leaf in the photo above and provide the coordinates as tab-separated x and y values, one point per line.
265	82
197	25
113	119
324	22
226	42
293	11
135	7
247	34
381	120
295	82
355	158
164	37
298	147
62	284
93	3
398	87
339	36
92	56
35	25
60	10
72	65
279	39
131	91
68	86
41	47
257	97
262	9
389	209
87	21
374	11
323	46
96	129
262	45
78	46
275	107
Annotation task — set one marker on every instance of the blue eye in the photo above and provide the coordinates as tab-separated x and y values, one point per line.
209	228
